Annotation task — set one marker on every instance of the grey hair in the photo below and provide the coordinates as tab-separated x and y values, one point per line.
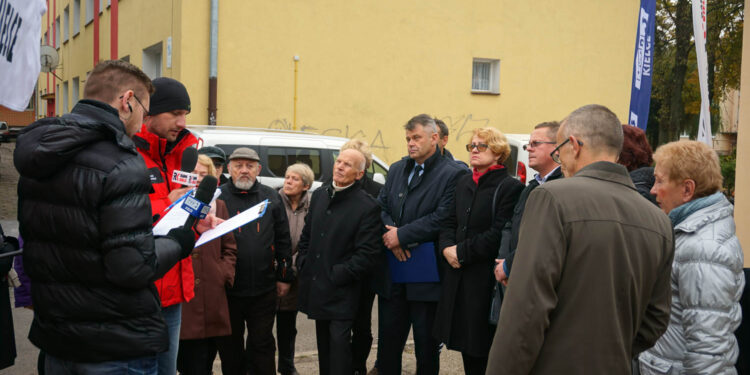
552	128
597	126
425	120
304	171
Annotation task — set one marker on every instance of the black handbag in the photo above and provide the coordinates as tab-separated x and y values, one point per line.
498	292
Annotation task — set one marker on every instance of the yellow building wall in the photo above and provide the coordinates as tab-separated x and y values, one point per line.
366	67
742	177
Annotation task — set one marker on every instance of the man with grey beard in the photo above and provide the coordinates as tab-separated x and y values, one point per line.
257	283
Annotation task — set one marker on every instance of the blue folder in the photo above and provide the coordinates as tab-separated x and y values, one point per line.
420	268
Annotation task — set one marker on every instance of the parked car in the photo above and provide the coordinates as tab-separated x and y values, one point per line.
518	162
4	132
279	149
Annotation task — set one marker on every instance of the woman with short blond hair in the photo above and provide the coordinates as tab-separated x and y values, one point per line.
469	242
707	276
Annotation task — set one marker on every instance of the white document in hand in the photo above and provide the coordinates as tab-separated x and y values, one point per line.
244	217
176	216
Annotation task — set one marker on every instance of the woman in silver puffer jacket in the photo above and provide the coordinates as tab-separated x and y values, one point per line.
707	277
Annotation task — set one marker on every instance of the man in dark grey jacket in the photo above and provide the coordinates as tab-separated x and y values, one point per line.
591	282
416	198
85	216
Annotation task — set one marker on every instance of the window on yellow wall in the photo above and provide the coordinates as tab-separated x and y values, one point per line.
74	90
485	76
64	106
76	17
57	32
66	22
89	11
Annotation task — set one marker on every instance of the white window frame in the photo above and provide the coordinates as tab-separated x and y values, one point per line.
65	97
493	86
74	90
57	32
66	23
89	11
151	60
76	17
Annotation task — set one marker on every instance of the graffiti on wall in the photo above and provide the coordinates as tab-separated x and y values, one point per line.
460	127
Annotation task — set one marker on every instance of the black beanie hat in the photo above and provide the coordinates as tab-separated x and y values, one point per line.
169	95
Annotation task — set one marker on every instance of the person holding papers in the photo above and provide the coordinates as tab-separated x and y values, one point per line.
257	283
416	199
205	319
339	245
468	242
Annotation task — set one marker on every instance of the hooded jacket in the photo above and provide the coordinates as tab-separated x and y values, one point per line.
162	158
84	214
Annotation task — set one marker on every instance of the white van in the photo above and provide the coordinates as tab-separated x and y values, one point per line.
518	162
279	149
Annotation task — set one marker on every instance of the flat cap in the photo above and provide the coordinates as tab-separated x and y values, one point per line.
244	153
213	152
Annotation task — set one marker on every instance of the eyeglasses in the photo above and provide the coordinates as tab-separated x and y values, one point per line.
536	144
145	110
142	106
481	147
555	154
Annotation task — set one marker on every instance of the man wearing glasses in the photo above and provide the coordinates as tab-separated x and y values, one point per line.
591	282
541	143
84	215
162	140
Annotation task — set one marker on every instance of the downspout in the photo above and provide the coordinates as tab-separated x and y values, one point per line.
113	29
214	50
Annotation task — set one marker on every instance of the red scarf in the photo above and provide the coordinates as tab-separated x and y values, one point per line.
476	175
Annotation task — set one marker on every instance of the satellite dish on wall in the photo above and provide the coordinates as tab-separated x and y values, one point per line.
49	58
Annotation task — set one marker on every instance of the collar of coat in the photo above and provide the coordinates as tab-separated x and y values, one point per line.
607	171
341	194
304	200
428	164
158	147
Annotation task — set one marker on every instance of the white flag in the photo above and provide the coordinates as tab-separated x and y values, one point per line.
20	33
699	32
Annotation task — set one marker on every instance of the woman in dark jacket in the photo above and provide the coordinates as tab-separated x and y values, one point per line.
637	157
205	326
469	242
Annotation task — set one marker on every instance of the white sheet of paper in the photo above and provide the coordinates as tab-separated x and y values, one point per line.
244	217
176	216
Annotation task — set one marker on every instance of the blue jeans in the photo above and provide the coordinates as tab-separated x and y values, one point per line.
168	360
138	366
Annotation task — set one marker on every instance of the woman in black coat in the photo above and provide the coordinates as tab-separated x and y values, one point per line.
469	242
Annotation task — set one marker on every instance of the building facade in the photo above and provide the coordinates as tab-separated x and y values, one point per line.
359	68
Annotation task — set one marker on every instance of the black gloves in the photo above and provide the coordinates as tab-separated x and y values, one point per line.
186	239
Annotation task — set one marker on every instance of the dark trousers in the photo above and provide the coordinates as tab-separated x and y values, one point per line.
286	333
396	316
256	355
196	357
474	365
334	346
362	329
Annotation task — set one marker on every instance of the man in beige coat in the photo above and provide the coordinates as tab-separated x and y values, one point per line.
590	287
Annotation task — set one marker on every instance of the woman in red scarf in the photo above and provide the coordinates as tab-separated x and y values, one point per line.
469	242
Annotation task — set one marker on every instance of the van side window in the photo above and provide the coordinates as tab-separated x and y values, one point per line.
510	163
280	158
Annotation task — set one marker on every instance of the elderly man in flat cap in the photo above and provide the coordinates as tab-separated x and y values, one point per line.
263	269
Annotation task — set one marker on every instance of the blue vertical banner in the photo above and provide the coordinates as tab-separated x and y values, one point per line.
640	90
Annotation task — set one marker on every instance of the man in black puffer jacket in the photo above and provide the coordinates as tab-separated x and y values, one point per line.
84	214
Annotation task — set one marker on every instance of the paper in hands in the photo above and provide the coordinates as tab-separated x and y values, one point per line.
244	217
176	216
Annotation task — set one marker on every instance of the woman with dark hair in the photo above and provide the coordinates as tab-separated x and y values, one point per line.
637	157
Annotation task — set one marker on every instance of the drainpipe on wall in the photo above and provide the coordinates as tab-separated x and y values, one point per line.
214	50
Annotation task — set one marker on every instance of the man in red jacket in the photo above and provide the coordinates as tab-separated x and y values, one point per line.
162	140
